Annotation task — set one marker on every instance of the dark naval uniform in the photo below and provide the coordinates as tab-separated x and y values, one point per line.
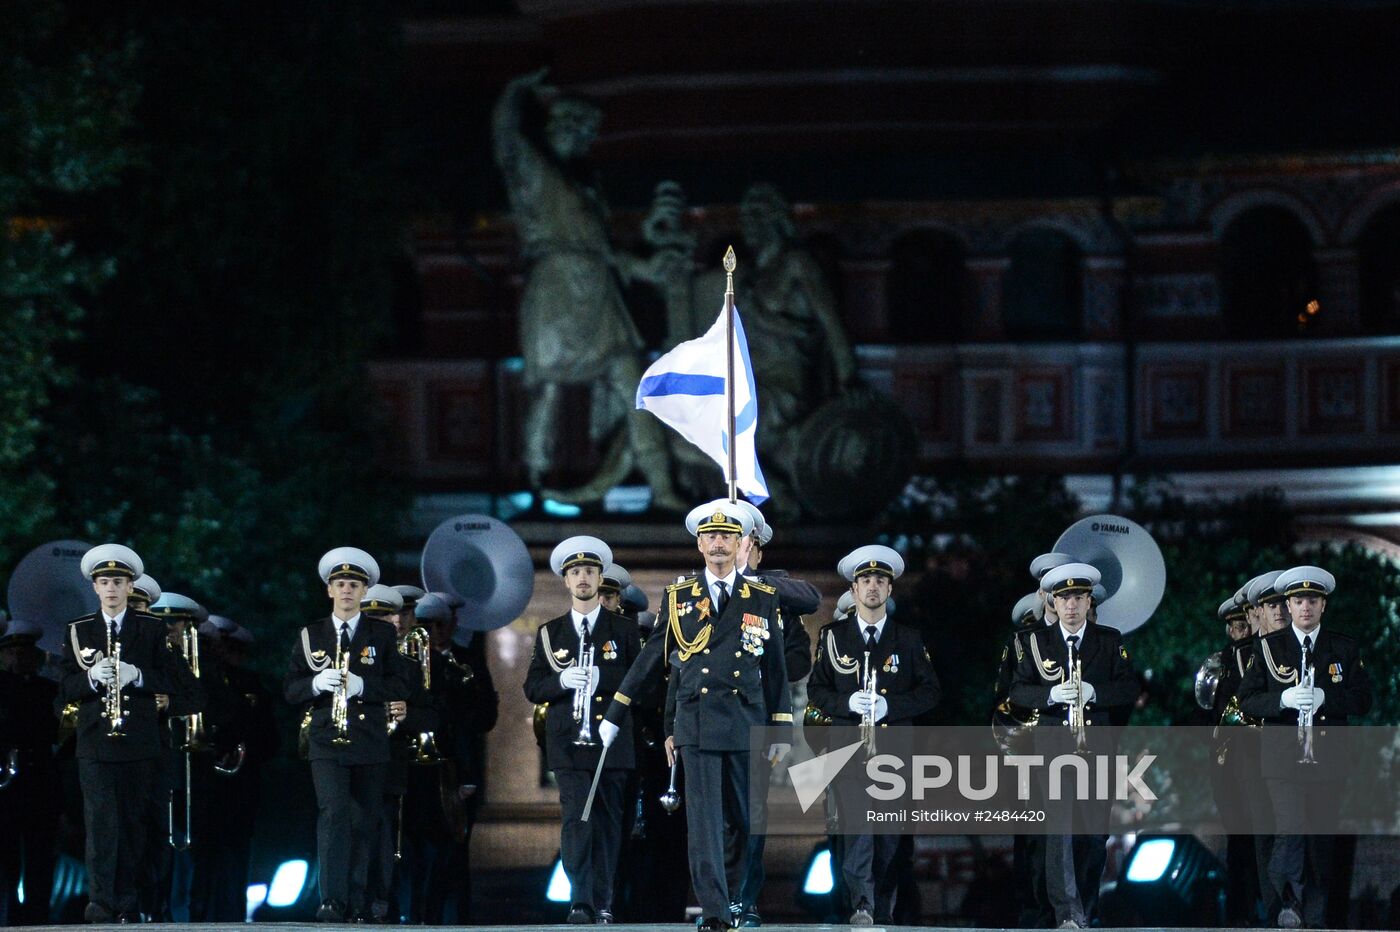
589	849
117	773
30	805
1074	863
1304	795
796	597
349	779
905	679
728	675
1009	723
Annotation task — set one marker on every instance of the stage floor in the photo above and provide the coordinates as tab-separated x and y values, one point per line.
557	927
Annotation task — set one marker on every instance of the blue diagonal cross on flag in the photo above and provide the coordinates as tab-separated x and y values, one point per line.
685	389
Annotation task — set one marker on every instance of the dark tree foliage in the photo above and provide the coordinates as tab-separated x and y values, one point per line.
974	537
227	179
63	112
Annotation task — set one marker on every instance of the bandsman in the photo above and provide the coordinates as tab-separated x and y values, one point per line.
341	668
1045	681
579	660
847	652
115	662
1316	674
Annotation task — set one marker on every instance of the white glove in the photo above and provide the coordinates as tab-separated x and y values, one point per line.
104	671
1297	697
129	674
1063	693
354	684
328	680
777	751
882	708
860	702
1319	697
574	677
607	733
1089	693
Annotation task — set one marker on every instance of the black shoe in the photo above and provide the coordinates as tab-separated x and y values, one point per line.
330	911
1289	918
749	918
862	917
581	915
96	912
712	924
605	917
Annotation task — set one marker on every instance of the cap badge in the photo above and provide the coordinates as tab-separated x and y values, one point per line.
717	517
111	563
873	564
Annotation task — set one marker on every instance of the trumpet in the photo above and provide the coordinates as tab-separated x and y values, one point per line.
112	697
1077	722
194	724
867	718
671	800
340	699
1305	721
585	737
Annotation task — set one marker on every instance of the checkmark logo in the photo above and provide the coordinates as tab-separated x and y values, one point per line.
811	777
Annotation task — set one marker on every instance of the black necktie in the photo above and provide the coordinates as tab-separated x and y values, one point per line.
1073	641
870	632
722	598
344	638
1307	652
585	638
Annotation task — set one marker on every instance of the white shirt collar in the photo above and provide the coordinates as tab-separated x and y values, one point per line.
711	579
109	619
1303	634
591	618
862	624
351	623
1083	630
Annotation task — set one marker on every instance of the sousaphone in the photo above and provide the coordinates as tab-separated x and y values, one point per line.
483	563
48	588
1134	573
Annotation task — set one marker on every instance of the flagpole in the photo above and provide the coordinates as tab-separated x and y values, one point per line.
729	264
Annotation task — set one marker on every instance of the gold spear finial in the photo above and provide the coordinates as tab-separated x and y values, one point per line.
729	263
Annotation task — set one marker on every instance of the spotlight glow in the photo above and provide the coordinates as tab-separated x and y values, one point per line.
559	890
1150	860
819	881
287	883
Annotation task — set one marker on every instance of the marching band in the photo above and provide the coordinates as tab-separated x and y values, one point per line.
162	709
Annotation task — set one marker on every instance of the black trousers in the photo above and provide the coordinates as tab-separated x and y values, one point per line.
867	859
116	798
348	800
1300	865
590	849
716	795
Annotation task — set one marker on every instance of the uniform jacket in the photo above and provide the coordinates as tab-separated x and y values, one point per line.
28	725
616	645
728	672
143	646
904	674
373	651
1341	674
1104	663
796	597
1011	656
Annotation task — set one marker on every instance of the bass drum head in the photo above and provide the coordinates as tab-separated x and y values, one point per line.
483	562
852	456
48	587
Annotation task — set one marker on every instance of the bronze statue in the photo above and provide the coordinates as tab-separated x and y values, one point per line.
575	328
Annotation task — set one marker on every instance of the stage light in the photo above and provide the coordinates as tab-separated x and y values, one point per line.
1170	881
819	881
1150	860
19	892
287	883
559	890
256	896
560	509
